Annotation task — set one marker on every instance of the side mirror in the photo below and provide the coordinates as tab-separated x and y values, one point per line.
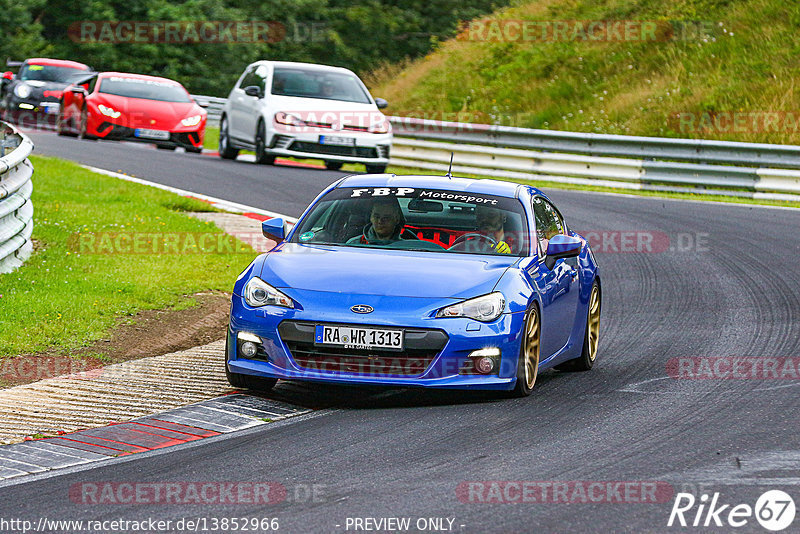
274	229
381	103
253	90
8	75
562	246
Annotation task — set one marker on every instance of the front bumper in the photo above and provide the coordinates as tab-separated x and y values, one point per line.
369	148
32	114
191	140
436	350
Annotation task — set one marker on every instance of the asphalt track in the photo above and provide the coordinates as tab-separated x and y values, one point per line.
721	281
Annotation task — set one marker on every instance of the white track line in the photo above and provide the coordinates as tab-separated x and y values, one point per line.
222	204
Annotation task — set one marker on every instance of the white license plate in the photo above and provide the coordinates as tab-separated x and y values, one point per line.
355	337
51	109
338	141
151	134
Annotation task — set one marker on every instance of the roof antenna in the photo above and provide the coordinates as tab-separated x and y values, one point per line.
450	168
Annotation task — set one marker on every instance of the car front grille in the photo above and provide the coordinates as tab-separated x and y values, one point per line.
110	130
420	349
334	150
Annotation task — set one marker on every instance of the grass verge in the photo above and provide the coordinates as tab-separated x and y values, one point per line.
65	296
211	140
709	62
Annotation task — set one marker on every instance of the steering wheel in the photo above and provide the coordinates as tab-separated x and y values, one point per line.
461	240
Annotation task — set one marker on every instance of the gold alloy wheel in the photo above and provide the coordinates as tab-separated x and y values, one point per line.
532	348
594	322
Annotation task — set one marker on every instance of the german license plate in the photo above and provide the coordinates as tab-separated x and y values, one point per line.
355	337
151	134
336	140
51	108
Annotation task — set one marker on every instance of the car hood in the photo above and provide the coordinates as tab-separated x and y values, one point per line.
383	272
166	113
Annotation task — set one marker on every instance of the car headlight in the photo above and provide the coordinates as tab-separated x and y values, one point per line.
22	90
380	127
288	119
486	308
258	293
109	112
191	121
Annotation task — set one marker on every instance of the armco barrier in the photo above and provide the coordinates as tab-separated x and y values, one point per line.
16	209
213	106
756	170
753	170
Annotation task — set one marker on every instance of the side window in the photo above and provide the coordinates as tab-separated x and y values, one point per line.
247	79
548	223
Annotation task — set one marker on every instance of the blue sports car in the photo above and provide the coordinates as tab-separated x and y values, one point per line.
417	281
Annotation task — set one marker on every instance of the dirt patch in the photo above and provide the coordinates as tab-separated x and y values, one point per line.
148	333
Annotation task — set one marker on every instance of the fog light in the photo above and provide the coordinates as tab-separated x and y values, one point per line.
248	349
484	365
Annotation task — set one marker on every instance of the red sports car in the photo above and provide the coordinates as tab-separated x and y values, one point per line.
133	107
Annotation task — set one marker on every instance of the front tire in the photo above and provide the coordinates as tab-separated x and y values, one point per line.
225	149
60	129
591	338
84	125
528	360
261	146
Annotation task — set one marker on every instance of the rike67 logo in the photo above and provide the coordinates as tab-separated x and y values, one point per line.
774	510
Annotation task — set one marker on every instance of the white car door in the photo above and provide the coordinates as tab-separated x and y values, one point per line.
239	107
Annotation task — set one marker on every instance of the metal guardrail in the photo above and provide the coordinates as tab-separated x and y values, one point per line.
756	170
213	106
16	209
629	146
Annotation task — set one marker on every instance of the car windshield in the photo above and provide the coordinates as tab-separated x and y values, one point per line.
316	83
49	73
145	89
406	218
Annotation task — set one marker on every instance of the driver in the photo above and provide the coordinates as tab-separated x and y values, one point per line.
328	89
385	226
491	223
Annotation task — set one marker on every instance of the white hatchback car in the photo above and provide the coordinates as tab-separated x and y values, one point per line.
304	110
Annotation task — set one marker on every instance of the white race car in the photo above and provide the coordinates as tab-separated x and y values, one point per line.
306	111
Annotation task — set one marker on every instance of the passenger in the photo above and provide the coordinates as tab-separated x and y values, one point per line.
490	222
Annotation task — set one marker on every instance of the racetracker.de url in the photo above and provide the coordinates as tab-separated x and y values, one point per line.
124	526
